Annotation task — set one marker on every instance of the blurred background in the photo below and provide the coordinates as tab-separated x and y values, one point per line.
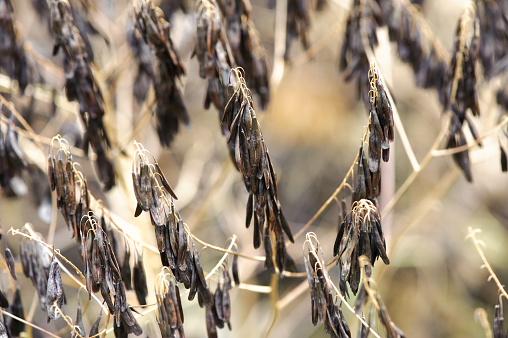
313	127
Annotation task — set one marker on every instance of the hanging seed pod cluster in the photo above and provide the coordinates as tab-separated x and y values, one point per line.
360	233
12	162
250	156
151	25
102	273
82	87
218	314
363	20
323	305
14	59
36	263
227	38
416	44
169	306
368	293
461	86
177	249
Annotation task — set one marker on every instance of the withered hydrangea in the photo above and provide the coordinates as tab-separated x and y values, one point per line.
250	156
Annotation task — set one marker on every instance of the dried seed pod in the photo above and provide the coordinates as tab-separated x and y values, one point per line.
78	323
126	269
4	303
234	269
3	331
95	327
55	293
139	281
16	309
250	156
9	259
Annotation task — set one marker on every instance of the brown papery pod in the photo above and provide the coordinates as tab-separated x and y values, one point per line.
9	259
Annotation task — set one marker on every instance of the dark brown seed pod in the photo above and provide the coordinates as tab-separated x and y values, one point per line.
126	269
4	303
139	281
55	292
164	181
9	259
95	327
79	323
16	309
234	270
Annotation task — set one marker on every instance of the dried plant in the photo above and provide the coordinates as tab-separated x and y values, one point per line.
360	234
363	20
416	44
81	86
154	29
169	306
14	59
323	304
461	86
13	162
251	158
297	24
174	241
366	294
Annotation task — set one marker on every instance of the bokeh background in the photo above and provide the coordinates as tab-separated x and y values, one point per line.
313	128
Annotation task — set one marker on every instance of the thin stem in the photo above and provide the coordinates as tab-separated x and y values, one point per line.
407	183
218	248
328	201
492	275
28	323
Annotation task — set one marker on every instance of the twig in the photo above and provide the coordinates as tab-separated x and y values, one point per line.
492	275
281	12
28	323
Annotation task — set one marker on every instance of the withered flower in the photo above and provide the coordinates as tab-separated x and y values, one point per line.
170	111
250	156
359	234
323	306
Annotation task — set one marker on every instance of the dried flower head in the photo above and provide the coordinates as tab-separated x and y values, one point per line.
323	305
250	156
